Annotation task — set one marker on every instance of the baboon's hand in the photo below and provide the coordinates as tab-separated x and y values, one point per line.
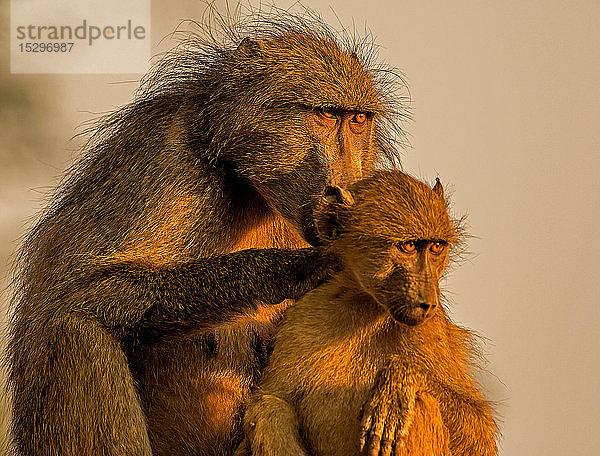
310	267
387	417
271	429
329	264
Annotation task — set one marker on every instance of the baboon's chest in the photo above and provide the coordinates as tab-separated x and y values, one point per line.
339	390
336	430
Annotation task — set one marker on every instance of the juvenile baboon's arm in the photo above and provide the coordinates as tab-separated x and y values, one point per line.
468	417
428	435
271	428
388	416
196	294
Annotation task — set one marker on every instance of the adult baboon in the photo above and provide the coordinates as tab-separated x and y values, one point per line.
136	330
376	339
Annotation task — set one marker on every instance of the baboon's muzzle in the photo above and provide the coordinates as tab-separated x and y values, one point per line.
414	306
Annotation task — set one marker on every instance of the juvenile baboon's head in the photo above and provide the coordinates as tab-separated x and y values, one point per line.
290	106
393	234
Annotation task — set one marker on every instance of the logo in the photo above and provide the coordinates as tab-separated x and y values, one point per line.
80	36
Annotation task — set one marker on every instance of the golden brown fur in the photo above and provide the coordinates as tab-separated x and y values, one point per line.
344	351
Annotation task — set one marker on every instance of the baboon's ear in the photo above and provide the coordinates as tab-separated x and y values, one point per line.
335	200
338	195
249	47
438	189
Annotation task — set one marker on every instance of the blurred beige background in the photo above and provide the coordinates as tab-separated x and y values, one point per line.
506	106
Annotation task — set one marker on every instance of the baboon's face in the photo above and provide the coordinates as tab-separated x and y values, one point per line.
338	149
404	278
344	138
303	115
393	234
342	142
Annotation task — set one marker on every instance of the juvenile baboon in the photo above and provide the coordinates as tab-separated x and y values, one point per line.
374	339
137	330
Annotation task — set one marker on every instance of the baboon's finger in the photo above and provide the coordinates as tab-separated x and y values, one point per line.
399	447
365	424
377	429
389	434
364	431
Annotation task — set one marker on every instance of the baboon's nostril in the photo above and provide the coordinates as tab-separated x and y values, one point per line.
425	306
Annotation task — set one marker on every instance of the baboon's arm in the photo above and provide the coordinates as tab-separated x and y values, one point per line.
468	417
200	293
388	416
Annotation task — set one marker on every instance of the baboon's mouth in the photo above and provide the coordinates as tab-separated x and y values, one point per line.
411	316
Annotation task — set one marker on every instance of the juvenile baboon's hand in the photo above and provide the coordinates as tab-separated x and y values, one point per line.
387	417
271	429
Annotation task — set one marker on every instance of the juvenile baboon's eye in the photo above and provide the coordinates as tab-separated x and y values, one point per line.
327	113
408	246
436	247
359	118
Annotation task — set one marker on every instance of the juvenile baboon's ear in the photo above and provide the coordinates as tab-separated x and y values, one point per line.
335	200
438	189
249	47
338	195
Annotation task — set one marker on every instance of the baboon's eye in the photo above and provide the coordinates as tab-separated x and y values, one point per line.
408	246
359	118
436	247
327	113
